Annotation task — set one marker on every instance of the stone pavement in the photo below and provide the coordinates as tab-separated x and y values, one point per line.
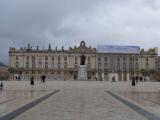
79	100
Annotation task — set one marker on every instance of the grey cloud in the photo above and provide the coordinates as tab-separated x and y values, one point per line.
67	22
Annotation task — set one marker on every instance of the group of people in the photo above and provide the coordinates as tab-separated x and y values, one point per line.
136	79
18	78
101	79
43	79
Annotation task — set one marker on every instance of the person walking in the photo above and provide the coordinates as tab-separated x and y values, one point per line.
1	86
137	79
141	78
133	81
32	80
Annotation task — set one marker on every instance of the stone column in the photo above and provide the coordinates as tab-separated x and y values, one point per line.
122	76
102	76
97	76
127	76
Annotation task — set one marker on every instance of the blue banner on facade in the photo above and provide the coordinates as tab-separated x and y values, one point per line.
118	49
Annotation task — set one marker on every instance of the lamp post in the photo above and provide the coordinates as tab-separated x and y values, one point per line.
32	77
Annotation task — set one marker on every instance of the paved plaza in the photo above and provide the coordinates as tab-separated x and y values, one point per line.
80	100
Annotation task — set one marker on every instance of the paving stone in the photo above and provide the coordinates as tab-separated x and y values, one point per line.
79	100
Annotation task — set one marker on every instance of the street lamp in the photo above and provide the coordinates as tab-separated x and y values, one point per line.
32	78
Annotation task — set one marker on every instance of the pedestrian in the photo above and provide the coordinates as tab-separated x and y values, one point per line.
113	79
41	78
133	81
137	79
1	86
19	78
32	80
141	78
145	79
96	78
44	79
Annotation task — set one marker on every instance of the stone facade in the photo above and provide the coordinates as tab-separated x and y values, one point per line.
4	73
64	64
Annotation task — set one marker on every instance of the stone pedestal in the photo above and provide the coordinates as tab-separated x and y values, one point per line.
82	72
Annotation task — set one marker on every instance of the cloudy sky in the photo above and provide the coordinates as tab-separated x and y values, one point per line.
67	22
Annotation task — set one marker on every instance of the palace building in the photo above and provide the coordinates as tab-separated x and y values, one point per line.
82	63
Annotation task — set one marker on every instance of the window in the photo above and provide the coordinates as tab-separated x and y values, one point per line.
40	66
59	65
52	58
124	58
65	58
147	58
33	58
75	58
17	58
65	65
89	65
105	59
88	59
46	66
136	58
147	65
17	64
105	65
137	66
33	66
99	66
75	66
124	66
59	58
52	64
27	65
46	57
99	58
27	58
118	59
118	67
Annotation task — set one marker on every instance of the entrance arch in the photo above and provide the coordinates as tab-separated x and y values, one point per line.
83	59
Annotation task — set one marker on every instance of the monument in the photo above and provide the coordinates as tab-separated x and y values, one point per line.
82	71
